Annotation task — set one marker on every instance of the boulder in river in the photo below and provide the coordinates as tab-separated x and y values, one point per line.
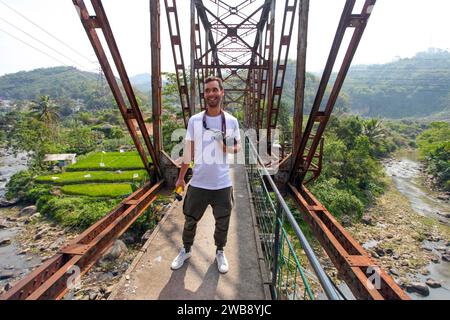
367	219
433	283
37	215
116	251
425	271
394	272
346	221
444	214
3	225
6	275
7	203
379	251
419	288
5	242
435	259
28	211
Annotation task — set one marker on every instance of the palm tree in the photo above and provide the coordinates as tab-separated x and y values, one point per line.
45	110
374	130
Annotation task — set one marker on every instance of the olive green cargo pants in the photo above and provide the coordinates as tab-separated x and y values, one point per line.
195	203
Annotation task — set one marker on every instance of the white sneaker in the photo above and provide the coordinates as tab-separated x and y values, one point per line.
178	262
222	262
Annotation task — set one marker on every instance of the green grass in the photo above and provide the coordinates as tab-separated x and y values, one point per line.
80	177
76	212
98	190
111	160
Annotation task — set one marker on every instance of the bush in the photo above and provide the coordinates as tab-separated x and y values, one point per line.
434	147
19	184
75	212
36	192
337	201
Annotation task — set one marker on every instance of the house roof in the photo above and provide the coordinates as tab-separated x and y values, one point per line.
60	157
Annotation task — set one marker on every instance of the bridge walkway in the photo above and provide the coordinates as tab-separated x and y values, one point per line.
150	276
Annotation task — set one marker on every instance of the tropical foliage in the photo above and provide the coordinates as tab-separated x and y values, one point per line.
434	147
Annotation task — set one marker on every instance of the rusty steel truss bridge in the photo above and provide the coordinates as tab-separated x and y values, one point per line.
236	41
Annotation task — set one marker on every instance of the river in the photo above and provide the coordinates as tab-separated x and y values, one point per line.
409	179
12	264
9	165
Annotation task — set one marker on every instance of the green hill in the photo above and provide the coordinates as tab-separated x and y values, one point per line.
66	85
407	88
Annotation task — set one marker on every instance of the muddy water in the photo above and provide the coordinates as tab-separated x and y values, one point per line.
408	177
409	180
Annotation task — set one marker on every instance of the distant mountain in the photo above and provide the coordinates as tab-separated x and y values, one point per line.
417	87
55	82
63	84
406	88
142	82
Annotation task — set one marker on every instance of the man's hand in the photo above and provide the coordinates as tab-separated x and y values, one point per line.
180	183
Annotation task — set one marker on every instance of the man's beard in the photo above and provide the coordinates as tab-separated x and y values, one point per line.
214	104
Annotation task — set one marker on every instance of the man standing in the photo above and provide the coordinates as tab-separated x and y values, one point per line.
211	134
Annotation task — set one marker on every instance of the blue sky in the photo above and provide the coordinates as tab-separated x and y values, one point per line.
397	28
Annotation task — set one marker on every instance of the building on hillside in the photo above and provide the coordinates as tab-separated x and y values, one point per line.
60	160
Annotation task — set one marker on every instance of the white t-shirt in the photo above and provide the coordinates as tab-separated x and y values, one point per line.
211	169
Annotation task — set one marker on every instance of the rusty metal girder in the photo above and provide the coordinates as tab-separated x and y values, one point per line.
155	45
201	11
100	21
300	78
201	72
51	279
233	50
178	58
365	279
318	119
280	71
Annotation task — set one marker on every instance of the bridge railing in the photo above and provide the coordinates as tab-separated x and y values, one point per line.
290	279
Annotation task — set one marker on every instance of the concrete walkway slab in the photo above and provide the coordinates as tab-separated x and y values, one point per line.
150	276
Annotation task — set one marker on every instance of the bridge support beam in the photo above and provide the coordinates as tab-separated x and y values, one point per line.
155	27
365	279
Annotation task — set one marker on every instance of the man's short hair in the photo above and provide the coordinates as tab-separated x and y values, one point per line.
219	81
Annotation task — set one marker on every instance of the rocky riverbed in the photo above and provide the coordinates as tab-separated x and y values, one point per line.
29	240
405	244
406	232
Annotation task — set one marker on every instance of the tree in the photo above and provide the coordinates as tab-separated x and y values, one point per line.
46	111
374	130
